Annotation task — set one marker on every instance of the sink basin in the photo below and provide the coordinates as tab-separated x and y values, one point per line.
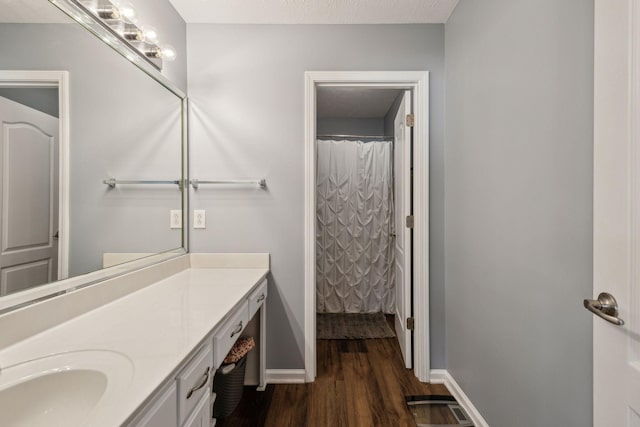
67	389
68	395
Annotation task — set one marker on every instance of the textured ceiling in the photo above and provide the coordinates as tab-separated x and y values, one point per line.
354	103
315	11
33	11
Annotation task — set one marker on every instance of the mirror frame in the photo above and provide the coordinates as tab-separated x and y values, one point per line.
60	79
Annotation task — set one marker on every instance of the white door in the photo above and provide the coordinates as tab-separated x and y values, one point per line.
616	237
402	193
29	197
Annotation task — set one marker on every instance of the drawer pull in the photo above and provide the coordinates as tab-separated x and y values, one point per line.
237	330
262	297
205	380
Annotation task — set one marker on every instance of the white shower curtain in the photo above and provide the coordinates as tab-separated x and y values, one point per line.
354	211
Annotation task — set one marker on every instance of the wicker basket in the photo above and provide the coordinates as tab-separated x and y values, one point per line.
228	388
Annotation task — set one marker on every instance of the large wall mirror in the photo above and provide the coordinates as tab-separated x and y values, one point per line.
76	114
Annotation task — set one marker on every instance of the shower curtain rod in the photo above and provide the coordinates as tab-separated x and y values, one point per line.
353	136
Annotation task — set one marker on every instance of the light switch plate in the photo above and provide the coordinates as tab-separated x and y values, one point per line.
199	218
175	218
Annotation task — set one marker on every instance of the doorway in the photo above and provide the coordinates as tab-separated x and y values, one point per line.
33	178
408	91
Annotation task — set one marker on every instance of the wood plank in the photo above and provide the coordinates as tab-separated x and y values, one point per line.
328	406
359	383
357	389
289	406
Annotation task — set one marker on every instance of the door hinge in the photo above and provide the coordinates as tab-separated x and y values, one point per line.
411	323
410	120
409	221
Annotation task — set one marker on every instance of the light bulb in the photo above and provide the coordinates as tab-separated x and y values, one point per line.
128	13
168	52
150	34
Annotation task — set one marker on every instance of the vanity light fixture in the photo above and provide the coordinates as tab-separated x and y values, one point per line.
164	51
121	19
133	32
108	11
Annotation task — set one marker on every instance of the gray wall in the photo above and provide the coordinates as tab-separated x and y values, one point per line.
246	84
123	124
172	30
519	110
40	98
368	127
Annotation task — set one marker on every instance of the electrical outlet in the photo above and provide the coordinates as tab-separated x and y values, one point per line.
199	218
175	219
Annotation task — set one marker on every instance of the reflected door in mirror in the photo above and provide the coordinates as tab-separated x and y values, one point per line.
29	214
114	121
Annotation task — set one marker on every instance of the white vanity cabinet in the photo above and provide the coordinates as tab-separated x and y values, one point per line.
233	327
225	336
229	333
162	411
257	301
201	416
257	298
194	384
164	326
186	400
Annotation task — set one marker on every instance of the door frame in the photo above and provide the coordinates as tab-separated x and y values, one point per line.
616	204
59	79
418	82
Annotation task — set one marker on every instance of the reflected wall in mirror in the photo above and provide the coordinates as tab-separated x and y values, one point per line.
122	124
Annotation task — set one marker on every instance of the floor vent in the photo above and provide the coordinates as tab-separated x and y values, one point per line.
437	411
460	414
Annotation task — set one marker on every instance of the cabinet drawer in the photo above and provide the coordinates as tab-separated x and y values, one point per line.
193	383
229	333
257	298
201	416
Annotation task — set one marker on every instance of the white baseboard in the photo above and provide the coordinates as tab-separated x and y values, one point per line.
436	376
285	376
442	376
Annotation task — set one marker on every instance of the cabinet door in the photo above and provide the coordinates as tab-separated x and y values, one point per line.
163	412
201	416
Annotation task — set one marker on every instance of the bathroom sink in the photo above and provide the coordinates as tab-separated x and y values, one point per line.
70	389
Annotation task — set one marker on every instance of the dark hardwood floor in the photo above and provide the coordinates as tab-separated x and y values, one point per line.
359	383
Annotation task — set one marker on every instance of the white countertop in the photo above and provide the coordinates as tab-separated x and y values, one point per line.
156	328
